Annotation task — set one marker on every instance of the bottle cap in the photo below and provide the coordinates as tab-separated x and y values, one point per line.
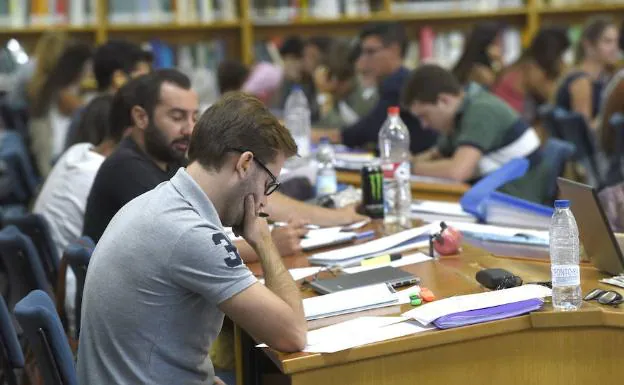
393	110
562	203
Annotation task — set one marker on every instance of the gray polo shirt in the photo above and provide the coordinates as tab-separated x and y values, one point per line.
149	311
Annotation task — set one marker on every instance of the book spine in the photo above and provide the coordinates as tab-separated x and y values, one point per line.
61	12
18	11
206	10
182	11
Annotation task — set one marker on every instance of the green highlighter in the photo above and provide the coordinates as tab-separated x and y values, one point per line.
416	302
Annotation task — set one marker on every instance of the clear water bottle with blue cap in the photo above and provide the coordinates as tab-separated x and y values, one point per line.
564	258
297	119
326	181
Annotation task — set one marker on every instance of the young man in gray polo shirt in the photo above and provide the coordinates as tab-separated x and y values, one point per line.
164	272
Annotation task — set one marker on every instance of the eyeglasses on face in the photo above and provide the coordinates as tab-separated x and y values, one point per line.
272	186
604	297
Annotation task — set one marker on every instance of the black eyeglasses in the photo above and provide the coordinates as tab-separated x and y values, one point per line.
274	184
605	297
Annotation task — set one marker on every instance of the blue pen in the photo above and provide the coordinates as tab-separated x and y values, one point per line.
365	234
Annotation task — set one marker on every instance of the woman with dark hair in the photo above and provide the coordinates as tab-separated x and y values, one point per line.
51	109
613	102
482	56
597	51
535	74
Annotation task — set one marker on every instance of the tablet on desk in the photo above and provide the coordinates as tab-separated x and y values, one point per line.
387	274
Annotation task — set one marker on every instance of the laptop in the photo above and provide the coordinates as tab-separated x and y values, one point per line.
601	246
390	275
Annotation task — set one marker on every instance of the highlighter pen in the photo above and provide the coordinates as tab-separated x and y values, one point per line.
382	259
365	234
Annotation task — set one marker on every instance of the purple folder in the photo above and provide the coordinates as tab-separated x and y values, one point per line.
488	314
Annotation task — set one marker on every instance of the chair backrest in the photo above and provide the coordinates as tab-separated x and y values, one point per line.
615	174
38	318
15	153
572	127
78	255
37	228
556	153
22	265
14	117
10	349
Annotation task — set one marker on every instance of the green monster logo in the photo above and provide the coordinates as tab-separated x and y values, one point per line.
376	182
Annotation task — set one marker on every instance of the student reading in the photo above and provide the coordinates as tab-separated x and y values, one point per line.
164	273
480	133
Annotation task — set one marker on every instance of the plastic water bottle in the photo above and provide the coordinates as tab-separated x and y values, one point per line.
564	258
297	119
394	150
326	182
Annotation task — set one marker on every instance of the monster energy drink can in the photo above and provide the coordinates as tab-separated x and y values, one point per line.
372	191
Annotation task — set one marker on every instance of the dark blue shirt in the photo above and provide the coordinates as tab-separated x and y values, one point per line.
563	98
365	132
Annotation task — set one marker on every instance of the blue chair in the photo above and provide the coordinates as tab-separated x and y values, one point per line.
14	117
37	228
556	153
10	349
572	127
43	330
22	266
78	255
615	174
14	153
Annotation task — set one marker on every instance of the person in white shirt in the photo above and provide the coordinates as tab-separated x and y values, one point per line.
63	198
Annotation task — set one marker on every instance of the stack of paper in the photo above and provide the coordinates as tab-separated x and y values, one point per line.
326	237
350	256
499	234
354	161
349	301
316	238
357	332
430	211
428	313
404	261
432	180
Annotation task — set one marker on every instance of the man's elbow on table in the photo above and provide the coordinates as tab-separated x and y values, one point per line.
292	339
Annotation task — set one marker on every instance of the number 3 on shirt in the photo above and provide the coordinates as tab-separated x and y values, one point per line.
221	239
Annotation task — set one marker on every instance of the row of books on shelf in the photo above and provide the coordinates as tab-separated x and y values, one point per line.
453	5
285	10
169	11
22	13
203	54
563	3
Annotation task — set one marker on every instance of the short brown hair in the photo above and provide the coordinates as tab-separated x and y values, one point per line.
339	63
426	83
238	121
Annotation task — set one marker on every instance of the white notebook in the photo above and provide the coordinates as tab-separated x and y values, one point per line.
349	301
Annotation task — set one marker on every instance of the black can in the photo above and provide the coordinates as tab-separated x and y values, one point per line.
372	191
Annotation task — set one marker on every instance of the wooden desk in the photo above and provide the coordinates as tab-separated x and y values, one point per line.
545	347
449	192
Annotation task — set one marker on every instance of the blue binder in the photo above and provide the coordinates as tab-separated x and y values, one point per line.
482	197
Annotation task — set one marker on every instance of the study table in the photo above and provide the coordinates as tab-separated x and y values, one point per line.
545	347
449	192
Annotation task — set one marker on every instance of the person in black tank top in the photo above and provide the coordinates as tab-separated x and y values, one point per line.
597	50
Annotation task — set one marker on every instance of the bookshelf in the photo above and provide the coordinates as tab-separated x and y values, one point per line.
240	25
